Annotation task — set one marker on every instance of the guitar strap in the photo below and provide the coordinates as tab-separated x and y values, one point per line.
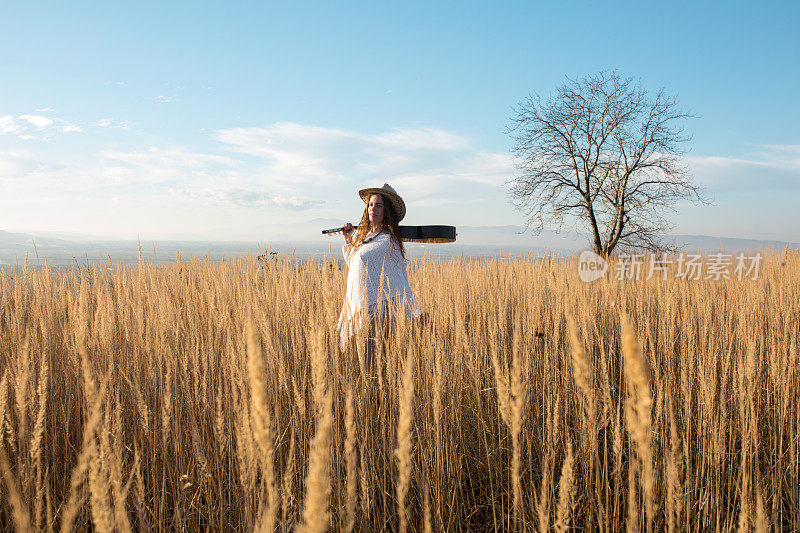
368	239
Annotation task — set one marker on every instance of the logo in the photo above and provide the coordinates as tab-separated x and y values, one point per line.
591	266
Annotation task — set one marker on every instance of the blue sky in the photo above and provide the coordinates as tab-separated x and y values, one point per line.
223	120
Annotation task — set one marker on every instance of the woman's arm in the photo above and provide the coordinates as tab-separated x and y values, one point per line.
347	247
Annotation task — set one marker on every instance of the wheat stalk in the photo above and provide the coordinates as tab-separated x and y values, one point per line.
641	400
166	409
403	451
316	511
38	428
81	468
582	373
565	491
351	491
318	484
288	478
3	402
20	512
99	489
262	427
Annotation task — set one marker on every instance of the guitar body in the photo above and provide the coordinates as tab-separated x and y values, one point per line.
427	233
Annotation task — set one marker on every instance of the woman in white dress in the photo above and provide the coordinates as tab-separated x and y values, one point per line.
377	280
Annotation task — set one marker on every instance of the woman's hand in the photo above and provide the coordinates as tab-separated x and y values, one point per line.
347	231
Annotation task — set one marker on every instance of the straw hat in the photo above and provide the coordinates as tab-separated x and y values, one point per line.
387	192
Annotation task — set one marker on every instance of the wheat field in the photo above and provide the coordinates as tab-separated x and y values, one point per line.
213	396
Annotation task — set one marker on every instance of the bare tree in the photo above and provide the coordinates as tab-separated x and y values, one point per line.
602	154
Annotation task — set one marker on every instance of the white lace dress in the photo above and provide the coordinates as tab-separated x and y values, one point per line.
364	292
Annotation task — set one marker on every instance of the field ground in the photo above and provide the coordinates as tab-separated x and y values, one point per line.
212	395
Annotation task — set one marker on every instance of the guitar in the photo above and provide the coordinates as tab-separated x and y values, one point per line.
430	234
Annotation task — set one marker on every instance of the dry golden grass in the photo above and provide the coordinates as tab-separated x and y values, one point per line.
213	395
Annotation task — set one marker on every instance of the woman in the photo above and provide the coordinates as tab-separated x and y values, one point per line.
377	281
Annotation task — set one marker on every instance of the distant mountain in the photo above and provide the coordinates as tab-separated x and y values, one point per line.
13	238
25	239
708	243
472	241
518	236
573	241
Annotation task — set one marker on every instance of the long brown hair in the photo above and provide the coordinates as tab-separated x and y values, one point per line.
389	225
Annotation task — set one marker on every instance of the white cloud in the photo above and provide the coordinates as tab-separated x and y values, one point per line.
209	179
170	176
162	166
771	168
28	126
17	163
419	139
114	123
155	156
249	198
420	161
162	99
288	172
8	125
39	121
783	154
295	202
295	152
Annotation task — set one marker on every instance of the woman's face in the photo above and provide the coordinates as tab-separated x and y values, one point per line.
375	209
